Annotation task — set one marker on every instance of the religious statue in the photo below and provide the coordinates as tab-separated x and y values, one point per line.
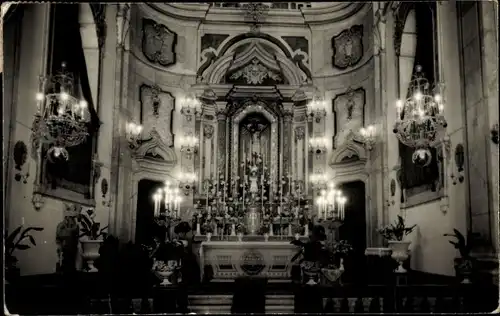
67	236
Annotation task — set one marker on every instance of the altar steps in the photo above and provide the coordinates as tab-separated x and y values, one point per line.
221	303
276	304
210	303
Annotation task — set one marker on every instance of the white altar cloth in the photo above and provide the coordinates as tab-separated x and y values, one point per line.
232	259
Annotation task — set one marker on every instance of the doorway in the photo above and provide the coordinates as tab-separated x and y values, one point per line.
353	229
145	210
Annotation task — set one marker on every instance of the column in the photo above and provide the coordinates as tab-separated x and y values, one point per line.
221	143
287	146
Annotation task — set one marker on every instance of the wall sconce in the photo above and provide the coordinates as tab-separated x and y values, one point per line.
189	146
368	136
318	180
133	132
317	145
187	181
494	134
190	106
316	109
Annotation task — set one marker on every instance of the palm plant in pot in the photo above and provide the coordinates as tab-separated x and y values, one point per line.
464	265
14	241
90	237
394	234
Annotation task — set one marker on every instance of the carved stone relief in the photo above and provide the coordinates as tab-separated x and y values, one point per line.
208	131
348	112
157	108
300	133
348	47
255	73
158	43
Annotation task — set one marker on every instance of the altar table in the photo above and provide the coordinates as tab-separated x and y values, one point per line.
233	259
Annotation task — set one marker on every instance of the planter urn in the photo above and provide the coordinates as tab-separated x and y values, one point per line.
400	252
90	252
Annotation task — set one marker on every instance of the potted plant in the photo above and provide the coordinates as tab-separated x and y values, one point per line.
464	265
240	230
14	241
208	229
91	232
395	233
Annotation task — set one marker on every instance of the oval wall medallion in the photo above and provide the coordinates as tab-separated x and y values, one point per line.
104	187
20	154
459	157
252	262
393	187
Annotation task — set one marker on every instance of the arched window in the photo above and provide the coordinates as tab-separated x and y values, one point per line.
70	179
417	46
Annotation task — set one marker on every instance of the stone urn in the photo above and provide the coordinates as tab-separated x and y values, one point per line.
90	252
464	268
400	252
165	272
209	236
240	236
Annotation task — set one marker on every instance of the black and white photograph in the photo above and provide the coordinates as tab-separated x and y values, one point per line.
250	157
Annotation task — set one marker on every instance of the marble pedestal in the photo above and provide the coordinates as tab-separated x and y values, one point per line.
229	260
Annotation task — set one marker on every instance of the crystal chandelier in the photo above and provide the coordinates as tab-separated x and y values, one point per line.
61	119
420	121
331	204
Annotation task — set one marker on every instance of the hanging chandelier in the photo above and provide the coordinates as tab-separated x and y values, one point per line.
61	120
420	121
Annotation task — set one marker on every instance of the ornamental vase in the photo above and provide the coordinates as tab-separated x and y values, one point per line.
90	252
400	252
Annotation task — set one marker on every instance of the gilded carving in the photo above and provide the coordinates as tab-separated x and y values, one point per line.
158	43
348	47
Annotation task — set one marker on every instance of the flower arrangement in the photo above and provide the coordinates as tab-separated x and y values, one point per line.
396	231
89	227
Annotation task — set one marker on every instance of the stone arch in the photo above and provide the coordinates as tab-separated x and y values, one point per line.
256	48
347	153
154	155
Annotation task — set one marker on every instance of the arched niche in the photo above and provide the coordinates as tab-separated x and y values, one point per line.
243	53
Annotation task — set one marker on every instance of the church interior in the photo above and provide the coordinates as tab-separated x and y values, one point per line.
253	157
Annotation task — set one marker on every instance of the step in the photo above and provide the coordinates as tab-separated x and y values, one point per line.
288	309
210	309
210	299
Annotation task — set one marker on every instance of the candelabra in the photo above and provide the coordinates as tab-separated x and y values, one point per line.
167	200
420	121
368	136
317	145
190	106
316	108
61	119
189	145
133	134
331	204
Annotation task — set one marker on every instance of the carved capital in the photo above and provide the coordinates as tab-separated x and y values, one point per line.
221	116
300	133
208	131
288	116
